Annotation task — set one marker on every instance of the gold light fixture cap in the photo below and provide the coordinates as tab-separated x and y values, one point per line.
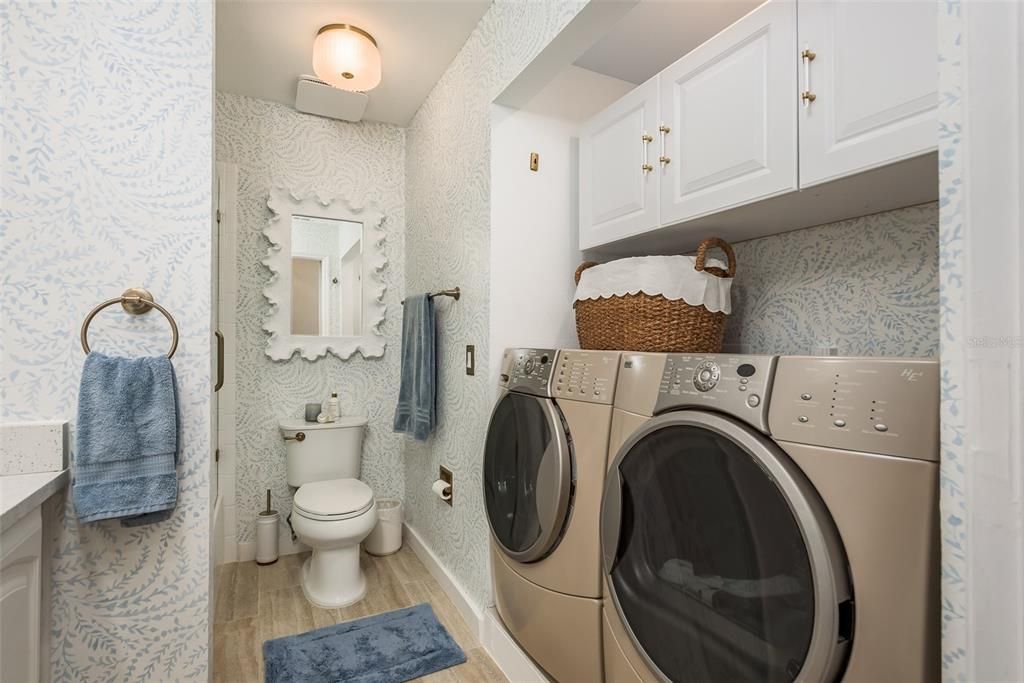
348	27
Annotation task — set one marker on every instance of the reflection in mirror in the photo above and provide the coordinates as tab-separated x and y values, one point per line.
327	263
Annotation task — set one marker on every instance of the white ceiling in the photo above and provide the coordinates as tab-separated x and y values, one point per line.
263	46
656	33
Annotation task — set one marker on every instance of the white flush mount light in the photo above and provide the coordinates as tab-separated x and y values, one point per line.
346	57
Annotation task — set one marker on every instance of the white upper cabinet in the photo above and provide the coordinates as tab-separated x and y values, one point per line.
729	117
794	94
618	175
874	83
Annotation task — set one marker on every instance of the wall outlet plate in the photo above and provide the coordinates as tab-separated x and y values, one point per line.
446	476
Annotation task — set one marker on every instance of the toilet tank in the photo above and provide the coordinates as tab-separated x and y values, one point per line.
324	451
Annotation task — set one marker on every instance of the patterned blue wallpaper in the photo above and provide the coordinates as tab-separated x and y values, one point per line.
106	173
953	503
865	287
362	163
447	244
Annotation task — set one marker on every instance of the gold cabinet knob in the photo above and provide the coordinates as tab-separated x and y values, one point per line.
808	96
664	160
647	168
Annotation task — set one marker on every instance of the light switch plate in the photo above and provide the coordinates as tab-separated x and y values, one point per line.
470	359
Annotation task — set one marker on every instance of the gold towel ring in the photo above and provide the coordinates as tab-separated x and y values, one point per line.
136	301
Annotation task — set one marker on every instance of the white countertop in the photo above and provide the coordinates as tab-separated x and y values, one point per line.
21	493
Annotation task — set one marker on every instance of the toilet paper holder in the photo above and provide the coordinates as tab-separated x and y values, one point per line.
446	477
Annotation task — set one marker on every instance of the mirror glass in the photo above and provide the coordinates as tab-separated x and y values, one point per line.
327	266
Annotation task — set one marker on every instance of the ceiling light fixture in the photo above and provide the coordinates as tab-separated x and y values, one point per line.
346	57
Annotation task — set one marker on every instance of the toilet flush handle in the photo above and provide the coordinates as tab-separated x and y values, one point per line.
299	436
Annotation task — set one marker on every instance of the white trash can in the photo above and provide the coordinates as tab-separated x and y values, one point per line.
386	537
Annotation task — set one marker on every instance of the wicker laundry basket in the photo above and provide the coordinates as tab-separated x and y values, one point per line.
641	322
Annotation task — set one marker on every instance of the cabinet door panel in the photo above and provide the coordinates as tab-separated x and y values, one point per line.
20	548
875	82
731	112
617	197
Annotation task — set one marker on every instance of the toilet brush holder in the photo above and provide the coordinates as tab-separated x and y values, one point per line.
266	534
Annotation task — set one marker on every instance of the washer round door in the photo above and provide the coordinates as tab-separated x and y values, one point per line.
528	476
722	561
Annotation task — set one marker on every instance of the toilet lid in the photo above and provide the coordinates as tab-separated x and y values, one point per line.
334	498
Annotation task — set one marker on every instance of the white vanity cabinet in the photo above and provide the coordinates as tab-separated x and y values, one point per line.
792	95
870	66
20	595
619	181
729	117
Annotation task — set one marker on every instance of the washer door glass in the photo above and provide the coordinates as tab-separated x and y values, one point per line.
527	476
710	572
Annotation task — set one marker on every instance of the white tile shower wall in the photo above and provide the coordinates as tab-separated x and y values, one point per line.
106	120
865	287
274	145
447	244
27	447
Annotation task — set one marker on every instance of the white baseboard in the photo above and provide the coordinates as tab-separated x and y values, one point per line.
503	649
467	607
506	653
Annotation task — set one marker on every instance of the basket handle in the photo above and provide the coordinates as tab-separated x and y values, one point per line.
583	266
702	252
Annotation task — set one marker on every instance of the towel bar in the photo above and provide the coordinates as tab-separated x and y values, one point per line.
453	293
134	300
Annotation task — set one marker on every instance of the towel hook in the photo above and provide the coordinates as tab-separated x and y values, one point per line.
134	300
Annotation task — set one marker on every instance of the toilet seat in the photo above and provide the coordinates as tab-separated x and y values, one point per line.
333	499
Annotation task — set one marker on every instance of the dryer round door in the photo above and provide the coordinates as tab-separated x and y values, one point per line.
722	561
527	476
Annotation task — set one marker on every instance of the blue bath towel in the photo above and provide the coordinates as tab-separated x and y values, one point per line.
126	440
416	413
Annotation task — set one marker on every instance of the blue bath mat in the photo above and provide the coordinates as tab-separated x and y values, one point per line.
385	648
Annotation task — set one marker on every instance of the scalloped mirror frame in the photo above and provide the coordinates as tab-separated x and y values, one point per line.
282	344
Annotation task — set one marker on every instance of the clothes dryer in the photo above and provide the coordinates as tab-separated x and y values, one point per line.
772	519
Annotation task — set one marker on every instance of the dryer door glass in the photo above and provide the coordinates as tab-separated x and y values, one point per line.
711	572
527	476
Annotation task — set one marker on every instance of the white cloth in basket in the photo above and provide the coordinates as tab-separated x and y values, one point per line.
673	277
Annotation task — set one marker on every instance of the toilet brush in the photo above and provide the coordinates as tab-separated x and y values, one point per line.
266	535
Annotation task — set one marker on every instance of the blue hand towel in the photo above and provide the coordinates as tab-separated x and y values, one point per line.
126	440
416	413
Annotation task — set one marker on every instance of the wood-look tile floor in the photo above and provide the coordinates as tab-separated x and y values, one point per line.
257	603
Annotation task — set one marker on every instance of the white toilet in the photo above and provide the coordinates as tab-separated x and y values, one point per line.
332	511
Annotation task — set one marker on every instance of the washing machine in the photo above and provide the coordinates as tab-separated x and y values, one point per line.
772	519
544	465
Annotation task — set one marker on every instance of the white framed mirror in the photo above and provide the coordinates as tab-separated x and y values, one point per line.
326	291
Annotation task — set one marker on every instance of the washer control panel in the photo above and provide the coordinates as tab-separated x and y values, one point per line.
734	384
706	376
888	406
585	375
527	370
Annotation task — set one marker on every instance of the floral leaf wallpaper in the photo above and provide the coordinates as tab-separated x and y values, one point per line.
953	503
864	287
362	163
107	138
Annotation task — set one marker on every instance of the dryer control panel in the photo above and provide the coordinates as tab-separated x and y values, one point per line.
888	406
527	371
735	384
585	375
